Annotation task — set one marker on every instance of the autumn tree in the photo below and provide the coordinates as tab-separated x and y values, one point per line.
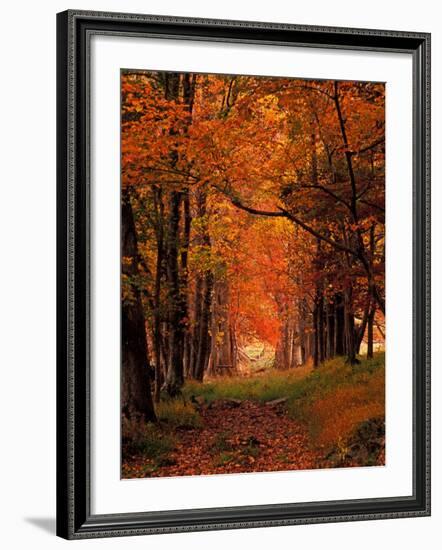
257	209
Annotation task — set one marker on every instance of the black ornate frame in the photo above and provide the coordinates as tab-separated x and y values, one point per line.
74	518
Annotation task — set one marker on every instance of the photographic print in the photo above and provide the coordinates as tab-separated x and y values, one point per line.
222	272
252	274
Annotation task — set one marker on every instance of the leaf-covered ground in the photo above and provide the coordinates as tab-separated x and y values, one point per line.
302	418
242	436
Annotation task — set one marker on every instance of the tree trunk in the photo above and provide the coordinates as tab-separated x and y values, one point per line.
339	347
301	325
330	312
361	329
196	321
315	336
350	333
321	342
175	374
282	352
373	308
203	297
222	358
136	396
370	333
185	277
159	208
202	357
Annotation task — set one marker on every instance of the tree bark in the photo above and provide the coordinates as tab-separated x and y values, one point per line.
202	357
222	360
350	334
301	324
330	312
159	208
339	347
136	390
176	312
185	276
203	298
315	336
175	374
196	322
321	342
370	333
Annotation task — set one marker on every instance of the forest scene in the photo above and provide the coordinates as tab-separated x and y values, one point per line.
252	274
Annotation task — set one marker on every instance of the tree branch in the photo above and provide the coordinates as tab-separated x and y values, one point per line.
368	147
282	213
328	192
338	245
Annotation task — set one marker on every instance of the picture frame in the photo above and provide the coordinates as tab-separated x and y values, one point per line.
75	519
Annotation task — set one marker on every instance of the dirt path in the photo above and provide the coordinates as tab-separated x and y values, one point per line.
236	437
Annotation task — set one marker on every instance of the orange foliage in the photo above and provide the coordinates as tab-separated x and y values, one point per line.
337	414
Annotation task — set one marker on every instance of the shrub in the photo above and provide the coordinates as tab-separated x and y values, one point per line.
178	414
364	447
337	397
144	438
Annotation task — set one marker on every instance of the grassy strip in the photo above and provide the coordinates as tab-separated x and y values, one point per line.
273	384
333	402
157	441
330	401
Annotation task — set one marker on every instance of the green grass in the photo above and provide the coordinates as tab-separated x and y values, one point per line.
333	375
177	414
335	398
330	400
157	441
295	384
147	440
271	385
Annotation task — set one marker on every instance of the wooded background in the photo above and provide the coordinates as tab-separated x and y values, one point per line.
252	211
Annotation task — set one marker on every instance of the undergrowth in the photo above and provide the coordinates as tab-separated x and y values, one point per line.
146	439
331	401
178	414
341	406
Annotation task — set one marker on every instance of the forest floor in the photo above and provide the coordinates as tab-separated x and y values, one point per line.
237	436
277	420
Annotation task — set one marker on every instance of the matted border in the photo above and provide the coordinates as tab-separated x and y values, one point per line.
74	29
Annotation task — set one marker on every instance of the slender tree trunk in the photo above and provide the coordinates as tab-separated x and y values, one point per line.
371	290
196	321
282	353
370	333
321	342
175	374
222	358
185	276
165	355
350	328
159	208
330	312
302	339
340	348
176	313
361	249
315	336
204	337
203	298
361	329
136	390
